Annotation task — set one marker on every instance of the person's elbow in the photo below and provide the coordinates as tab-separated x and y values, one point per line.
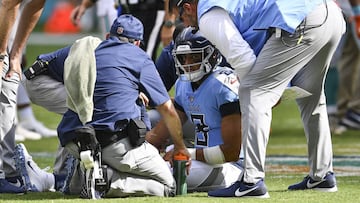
241	66
166	108
231	152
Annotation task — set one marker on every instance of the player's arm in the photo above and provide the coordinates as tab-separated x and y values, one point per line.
9	9
28	19
231	43
230	149
159	135
231	135
79	11
168	24
173	124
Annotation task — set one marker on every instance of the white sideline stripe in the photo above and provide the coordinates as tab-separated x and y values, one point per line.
343	165
354	160
39	38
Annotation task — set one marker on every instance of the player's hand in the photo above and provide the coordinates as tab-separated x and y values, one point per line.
168	156
14	68
79	11
76	15
185	152
144	99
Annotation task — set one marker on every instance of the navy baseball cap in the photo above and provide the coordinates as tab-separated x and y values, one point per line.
127	26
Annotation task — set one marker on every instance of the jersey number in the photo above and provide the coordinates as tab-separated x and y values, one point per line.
201	129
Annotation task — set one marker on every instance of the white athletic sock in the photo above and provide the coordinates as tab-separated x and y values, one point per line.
26	113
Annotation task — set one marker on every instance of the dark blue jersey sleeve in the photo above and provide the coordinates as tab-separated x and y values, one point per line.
166	66
152	85
56	61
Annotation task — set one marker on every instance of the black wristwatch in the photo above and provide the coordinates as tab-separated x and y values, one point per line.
169	23
2	57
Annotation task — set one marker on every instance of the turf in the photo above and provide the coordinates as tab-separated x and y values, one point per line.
286	140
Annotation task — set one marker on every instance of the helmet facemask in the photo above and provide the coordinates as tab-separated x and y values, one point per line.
202	61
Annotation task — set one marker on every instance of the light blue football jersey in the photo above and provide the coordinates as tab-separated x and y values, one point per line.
253	17
202	106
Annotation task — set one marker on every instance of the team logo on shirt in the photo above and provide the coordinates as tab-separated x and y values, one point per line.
227	77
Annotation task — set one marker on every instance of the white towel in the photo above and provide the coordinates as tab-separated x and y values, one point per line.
80	77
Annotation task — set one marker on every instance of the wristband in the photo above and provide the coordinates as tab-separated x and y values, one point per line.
214	155
356	10
2	57
192	152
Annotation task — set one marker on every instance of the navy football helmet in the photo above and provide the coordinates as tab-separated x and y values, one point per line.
194	55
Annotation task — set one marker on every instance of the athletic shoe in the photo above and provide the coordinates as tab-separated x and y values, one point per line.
36	126
59	181
327	184
19	138
89	190
169	191
25	134
351	120
242	189
340	129
7	187
36	179
70	165
16	181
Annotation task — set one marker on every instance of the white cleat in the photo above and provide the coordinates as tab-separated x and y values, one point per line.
25	134
19	138
36	179
340	129
38	127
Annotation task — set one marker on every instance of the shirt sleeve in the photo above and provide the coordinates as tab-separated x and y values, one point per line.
166	67
151	84
56	61
230	108
231	44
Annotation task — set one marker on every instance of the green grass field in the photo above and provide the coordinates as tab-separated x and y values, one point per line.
286	161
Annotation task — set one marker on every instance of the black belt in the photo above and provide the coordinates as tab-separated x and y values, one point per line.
107	138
